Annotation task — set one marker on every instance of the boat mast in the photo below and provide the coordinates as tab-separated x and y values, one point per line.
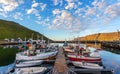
32	35
25	43
119	37
96	39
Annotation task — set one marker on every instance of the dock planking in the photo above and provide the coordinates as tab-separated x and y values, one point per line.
60	66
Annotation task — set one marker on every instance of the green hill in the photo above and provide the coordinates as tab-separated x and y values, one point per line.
10	29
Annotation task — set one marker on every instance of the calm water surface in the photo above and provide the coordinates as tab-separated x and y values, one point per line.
110	60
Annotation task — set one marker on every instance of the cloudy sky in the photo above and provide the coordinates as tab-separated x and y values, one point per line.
63	19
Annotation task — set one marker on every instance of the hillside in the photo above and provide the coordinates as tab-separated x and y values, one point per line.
113	36
9	29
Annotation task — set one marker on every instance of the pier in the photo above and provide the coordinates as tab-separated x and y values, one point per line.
60	66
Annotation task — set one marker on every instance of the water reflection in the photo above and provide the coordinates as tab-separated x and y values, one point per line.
110	60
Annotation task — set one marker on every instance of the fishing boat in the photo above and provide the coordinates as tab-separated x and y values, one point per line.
36	56
80	58
87	65
85	62
30	70
28	63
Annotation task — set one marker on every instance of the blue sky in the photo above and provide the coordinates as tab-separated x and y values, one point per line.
63	19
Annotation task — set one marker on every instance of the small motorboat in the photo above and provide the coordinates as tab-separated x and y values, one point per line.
87	65
28	63
30	70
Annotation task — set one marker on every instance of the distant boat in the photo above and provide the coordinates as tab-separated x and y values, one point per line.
28	63
65	43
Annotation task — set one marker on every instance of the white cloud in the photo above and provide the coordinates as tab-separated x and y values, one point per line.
18	16
45	22
99	4
42	6
70	5
35	5
113	10
56	2
35	12
34	9
56	11
9	5
66	21
90	11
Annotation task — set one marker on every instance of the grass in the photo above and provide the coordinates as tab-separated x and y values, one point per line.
111	36
10	29
7	55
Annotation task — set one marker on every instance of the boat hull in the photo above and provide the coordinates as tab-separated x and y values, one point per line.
30	70
82	58
87	65
40	56
29	63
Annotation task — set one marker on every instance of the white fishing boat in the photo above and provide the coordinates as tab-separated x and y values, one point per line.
30	70
36	56
28	63
87	65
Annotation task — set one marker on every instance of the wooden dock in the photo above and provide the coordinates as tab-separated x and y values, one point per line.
60	66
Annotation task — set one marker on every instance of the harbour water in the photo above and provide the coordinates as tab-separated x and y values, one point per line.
110	61
4	69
